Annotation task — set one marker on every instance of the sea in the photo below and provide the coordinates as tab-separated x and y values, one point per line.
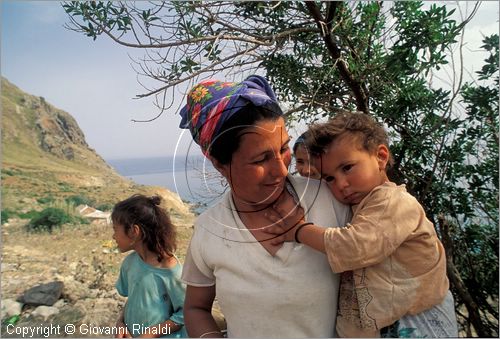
193	178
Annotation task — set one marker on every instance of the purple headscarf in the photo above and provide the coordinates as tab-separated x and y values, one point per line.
211	102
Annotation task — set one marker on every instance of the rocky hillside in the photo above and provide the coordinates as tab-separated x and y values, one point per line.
45	158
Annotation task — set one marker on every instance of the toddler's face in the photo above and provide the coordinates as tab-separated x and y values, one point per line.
352	172
303	163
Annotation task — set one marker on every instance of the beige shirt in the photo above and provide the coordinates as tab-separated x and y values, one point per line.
392	259
292	294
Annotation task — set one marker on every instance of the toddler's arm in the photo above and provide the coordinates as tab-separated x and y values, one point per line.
288	218
285	214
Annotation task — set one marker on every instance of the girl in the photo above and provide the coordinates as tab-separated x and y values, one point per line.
303	159
150	275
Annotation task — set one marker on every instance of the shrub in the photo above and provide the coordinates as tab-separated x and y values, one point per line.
79	200
6	214
81	220
29	215
64	187
105	206
46	200
48	219
8	172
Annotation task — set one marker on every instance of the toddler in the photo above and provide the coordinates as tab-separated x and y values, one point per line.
393	266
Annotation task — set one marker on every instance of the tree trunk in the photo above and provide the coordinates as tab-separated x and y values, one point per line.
459	286
358	88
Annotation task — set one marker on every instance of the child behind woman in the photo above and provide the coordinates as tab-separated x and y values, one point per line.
150	275
303	159
394	279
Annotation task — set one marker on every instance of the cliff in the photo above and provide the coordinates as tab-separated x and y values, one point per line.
45	157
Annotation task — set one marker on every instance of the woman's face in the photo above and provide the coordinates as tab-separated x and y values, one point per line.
258	168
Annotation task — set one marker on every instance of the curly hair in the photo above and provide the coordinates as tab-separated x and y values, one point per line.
359	127
158	233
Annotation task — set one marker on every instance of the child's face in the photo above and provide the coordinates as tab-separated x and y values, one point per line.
123	240
303	163
351	171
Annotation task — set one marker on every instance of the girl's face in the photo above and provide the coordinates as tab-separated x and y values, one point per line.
303	163
259	167
353	172
124	241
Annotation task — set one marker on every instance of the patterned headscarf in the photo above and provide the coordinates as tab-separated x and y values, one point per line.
211	102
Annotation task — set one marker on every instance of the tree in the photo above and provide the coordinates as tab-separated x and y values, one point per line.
471	233
379	58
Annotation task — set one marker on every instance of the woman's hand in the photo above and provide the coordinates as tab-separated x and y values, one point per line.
284	215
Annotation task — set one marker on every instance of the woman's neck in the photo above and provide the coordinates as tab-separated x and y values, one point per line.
251	214
256	222
243	207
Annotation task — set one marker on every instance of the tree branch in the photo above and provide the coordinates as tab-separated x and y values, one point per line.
195	74
359	89
268	40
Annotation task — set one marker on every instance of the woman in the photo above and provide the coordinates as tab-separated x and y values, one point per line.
264	289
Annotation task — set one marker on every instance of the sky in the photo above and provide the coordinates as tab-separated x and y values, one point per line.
92	80
95	83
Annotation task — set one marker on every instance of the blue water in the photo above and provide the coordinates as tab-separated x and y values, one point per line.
194	179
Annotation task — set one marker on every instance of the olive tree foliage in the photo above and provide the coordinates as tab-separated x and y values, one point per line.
379	58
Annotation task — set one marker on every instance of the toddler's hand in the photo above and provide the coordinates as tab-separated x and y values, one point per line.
285	214
289	210
277	229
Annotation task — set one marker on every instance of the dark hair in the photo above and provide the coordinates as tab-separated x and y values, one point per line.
158	233
356	125
228	140
300	141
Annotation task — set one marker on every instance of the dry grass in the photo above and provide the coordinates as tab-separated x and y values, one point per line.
29	259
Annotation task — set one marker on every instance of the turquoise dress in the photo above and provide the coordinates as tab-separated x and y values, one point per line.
154	296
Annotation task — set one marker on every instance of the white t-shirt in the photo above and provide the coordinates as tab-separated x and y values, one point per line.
291	294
